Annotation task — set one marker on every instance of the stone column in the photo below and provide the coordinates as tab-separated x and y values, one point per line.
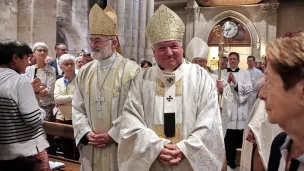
142	30
120	11
128	28
192	17
135	17
8	19
268	27
37	22
80	21
150	12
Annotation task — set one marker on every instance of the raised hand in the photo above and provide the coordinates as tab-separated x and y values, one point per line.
36	83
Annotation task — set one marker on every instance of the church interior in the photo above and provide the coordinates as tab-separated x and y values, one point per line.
253	23
247	27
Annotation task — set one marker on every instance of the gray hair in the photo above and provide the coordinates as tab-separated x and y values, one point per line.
66	57
79	57
40	44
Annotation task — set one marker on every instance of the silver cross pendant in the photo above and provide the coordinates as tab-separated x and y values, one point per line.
99	99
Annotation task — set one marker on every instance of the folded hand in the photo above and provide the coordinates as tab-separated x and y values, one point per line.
171	155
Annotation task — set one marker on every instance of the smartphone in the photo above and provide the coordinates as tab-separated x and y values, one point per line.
169	124
35	73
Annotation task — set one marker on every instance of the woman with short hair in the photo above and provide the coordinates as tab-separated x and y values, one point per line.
64	91
283	94
47	75
22	139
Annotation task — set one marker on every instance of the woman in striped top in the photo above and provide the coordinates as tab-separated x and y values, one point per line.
22	139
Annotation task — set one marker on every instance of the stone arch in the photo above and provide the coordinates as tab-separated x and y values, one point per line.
69	33
255	40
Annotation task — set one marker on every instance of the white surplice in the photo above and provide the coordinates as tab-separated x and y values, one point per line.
264	133
255	75
198	129
225	102
239	106
97	112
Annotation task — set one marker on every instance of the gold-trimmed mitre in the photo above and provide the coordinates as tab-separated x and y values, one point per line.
165	25
103	21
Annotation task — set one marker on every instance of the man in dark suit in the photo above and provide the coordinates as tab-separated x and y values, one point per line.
60	49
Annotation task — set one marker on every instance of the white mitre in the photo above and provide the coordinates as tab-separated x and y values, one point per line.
197	48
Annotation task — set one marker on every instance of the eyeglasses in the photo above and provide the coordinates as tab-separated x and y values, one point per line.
98	41
42	50
68	64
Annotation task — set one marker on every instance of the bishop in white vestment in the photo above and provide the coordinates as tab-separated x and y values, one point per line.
100	93
171	119
197	52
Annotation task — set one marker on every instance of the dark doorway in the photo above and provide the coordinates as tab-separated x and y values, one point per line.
101	3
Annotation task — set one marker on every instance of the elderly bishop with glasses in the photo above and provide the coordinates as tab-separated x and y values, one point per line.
171	118
100	93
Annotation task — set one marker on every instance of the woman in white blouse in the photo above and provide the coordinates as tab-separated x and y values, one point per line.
47	75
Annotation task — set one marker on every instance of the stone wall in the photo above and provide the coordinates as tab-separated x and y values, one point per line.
260	20
33	21
43	24
290	18
37	22
8	19
72	22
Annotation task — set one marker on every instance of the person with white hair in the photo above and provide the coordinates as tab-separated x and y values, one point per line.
63	93
100	93
171	119
79	64
47	75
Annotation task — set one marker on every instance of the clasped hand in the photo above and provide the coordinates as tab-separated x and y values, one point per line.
219	86
99	140
170	155
231	78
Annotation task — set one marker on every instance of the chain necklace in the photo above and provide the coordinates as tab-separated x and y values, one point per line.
99	99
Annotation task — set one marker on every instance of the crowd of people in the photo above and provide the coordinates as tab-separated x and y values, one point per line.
174	115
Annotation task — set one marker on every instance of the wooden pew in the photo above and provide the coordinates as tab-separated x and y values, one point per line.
66	131
58	129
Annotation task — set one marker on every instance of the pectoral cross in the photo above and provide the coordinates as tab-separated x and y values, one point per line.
99	99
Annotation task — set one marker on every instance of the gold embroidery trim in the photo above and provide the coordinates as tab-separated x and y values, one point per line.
160	88
159	130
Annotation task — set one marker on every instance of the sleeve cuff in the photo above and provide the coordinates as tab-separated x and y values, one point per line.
114	133
80	135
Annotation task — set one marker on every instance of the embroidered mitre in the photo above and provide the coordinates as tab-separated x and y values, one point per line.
103	21
165	25
197	48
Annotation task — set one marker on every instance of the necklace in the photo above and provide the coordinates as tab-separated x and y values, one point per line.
99	99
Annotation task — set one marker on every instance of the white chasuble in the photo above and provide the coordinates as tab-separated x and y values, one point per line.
241	92
99	97
198	129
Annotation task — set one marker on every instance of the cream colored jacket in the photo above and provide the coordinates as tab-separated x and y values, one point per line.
63	97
